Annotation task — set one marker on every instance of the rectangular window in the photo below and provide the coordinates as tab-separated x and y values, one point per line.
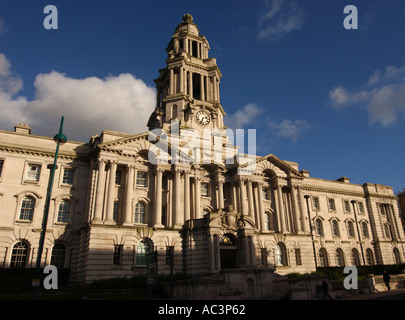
361	207
117	255
169	255
164	183
1	166
346	204
141	179
33	172
116	211
264	256
264	193
204	189
298	260
68	176
164	215
331	204
118	177
315	203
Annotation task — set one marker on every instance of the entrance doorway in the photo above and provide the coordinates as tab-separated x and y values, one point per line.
228	251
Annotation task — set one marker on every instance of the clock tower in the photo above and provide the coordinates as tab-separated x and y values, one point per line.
188	88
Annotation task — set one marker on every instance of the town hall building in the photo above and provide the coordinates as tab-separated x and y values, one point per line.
184	192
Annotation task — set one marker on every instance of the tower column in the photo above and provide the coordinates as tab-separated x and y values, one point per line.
158	198
111	192
171	90
178	219
190	84
280	209
260	201
186	195
128	195
98	208
250	198
242	196
181	79
202	91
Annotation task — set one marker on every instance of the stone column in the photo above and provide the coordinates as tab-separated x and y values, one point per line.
158	198
218	93
242	197
214	88
250	198
181	80
260	201
128	195
98	207
197	189
178	219
187	195
202	92
190	83
111	192
220	184
207	88
280	209
171	81
295	209
246	251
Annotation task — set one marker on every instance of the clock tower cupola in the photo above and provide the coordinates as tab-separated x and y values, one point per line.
188	88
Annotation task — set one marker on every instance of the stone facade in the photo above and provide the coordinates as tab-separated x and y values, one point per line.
120	196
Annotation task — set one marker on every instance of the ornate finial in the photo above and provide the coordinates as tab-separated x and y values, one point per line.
187	17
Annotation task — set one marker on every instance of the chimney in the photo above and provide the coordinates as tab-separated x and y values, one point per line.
22	128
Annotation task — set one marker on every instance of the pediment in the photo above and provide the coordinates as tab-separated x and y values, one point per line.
272	163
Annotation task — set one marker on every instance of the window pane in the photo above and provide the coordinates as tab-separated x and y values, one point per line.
19	255
64	211
33	172
116	211
141	179
204	189
68	176
139	213
142	250
27	209
58	256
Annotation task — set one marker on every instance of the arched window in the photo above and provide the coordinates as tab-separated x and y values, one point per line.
64	211
397	256
387	231
19	255
280	254
319	228
364	227
27	209
355	257
340	258
267	218
369	257
143	248
139	213
58	256
350	229
323	258
335	228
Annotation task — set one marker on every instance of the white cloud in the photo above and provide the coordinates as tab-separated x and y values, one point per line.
281	18
383	96
243	117
89	105
290	130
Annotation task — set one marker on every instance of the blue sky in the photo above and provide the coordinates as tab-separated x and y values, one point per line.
330	99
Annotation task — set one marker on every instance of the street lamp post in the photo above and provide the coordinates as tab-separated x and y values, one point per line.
311	230
60	138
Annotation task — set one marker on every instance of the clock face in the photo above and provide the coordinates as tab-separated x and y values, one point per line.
202	117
